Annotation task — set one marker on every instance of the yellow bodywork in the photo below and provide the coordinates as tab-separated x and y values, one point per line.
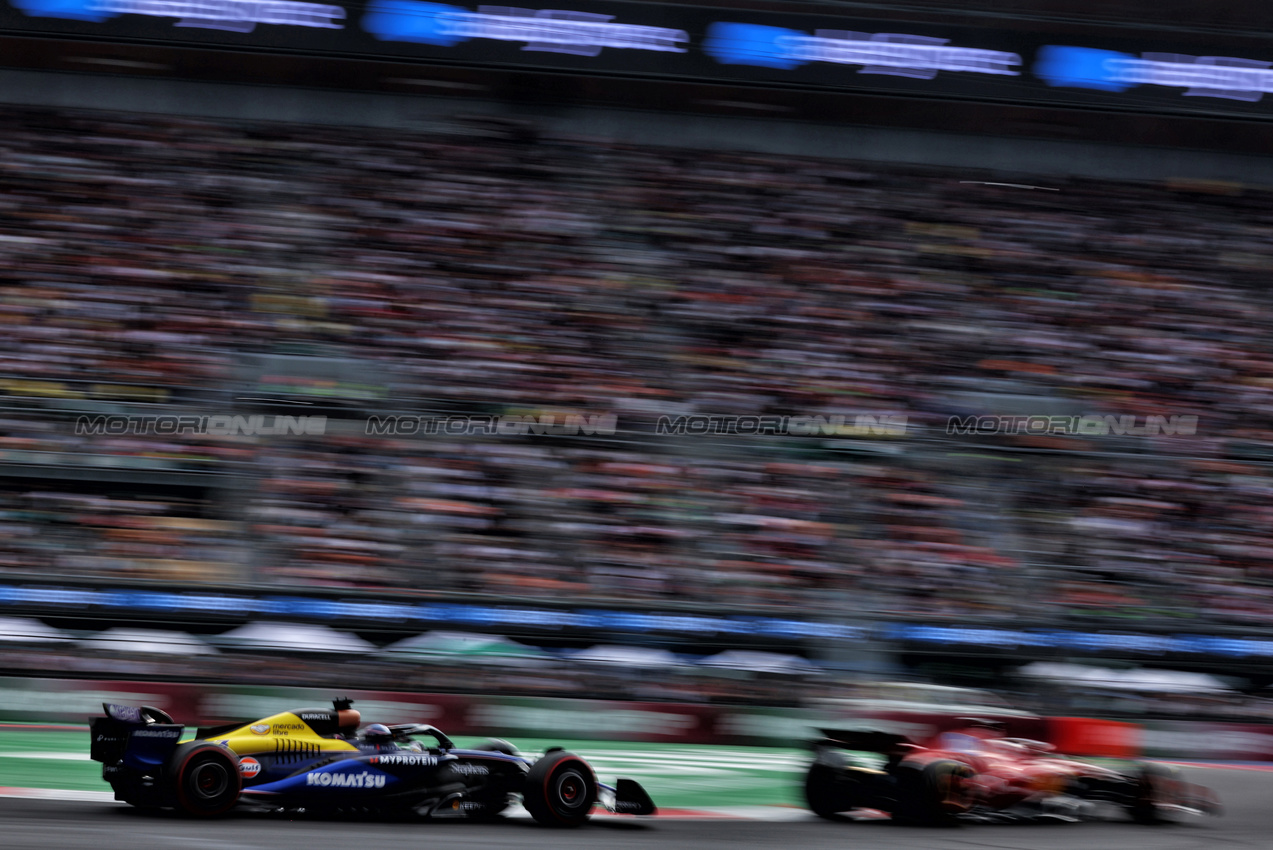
281	733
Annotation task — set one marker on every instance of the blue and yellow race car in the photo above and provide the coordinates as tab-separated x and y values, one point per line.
323	759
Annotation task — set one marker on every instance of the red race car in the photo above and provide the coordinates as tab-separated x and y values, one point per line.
980	777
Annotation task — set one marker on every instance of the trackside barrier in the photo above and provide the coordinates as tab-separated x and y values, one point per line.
1196	739
75	700
1086	736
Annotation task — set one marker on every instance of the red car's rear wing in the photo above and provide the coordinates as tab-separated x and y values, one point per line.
865	740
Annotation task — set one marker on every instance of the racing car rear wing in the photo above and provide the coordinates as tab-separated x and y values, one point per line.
137	736
864	740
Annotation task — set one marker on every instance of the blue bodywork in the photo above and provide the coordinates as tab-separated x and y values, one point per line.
319	764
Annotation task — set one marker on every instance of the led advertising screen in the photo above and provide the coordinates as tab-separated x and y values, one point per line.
1134	71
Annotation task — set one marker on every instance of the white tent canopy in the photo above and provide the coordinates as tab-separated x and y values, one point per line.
293	637
147	641
761	662
627	656
27	630
1138	679
468	647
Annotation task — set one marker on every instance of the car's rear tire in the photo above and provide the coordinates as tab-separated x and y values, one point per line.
560	790
931	794
824	794
206	780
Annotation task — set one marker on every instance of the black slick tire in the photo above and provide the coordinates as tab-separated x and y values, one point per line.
205	779
560	790
820	792
1151	789
929	795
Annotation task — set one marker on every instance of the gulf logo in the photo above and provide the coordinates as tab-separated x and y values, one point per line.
249	768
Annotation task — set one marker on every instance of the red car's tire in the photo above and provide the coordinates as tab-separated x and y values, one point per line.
206	780
931	794
560	790
829	792
1153	790
818	783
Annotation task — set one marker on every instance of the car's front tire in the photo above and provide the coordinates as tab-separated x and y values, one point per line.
560	790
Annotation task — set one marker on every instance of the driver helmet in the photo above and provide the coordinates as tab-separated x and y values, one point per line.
377	733
971	735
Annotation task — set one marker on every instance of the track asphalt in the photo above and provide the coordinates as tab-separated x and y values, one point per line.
52	796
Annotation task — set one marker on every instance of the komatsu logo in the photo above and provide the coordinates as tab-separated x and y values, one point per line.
366	779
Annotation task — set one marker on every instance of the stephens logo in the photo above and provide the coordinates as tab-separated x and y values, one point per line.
249	768
470	769
366	779
260	728
413	761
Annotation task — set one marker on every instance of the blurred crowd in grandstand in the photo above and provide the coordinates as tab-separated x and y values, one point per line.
144	260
